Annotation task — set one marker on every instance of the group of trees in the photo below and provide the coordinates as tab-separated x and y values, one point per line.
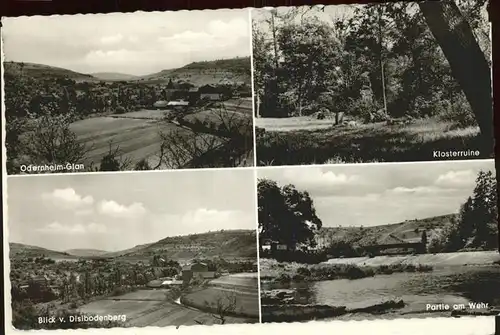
476	226
286	215
396	58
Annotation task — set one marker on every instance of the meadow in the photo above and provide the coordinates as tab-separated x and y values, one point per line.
304	140
136	135
150	308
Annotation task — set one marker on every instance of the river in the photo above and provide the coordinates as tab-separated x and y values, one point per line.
449	285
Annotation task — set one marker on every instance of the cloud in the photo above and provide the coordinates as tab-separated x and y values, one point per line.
84	212
237	28
96	228
313	176
456	179
111	39
114	209
68	198
420	190
217	35
75	229
142	43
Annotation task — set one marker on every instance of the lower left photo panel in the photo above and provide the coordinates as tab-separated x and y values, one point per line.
132	249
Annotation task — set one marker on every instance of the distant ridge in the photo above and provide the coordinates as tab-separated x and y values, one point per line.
114	76
198	73
44	71
24	250
408	231
86	252
223	243
207	72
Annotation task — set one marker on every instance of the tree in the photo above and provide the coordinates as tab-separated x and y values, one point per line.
307	50
52	141
113	160
424	238
224	306
485	210
477	223
286	215
467	220
467	61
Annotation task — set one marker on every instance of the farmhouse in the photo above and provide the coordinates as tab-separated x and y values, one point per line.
42	281
272	246
166	282
197	270
211	93
160	104
178	104
394	245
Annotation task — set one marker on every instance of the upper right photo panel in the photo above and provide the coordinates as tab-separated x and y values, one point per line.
385	82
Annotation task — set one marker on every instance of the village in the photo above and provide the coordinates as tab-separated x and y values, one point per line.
125	124
43	279
197	287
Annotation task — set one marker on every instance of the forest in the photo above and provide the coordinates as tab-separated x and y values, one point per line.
367	83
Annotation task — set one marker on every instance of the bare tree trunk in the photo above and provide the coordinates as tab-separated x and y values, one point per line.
381	58
275	43
257	106
467	62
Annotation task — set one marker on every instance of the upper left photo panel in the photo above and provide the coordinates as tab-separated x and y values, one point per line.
128	91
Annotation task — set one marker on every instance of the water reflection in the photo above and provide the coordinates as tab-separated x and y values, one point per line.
452	285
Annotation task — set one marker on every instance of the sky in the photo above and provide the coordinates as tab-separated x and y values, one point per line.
119	211
137	43
377	194
329	13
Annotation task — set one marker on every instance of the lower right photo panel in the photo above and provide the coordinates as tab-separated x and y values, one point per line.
378	241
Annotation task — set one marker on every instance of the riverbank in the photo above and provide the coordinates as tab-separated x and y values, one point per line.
362	267
285	272
298	312
440	259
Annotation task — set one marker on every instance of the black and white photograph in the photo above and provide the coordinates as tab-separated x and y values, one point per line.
128	91
383	82
130	250
378	241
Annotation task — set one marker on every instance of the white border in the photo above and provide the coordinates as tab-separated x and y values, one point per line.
255	176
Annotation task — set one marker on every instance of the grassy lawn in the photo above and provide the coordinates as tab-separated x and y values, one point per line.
247	304
376	142
292	123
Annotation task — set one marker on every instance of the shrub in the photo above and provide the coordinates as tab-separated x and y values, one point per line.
458	112
284	278
303	272
120	110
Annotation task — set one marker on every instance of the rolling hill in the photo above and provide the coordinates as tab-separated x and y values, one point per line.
86	252
44	71
114	76
19	250
409	231
197	73
225	243
202	73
